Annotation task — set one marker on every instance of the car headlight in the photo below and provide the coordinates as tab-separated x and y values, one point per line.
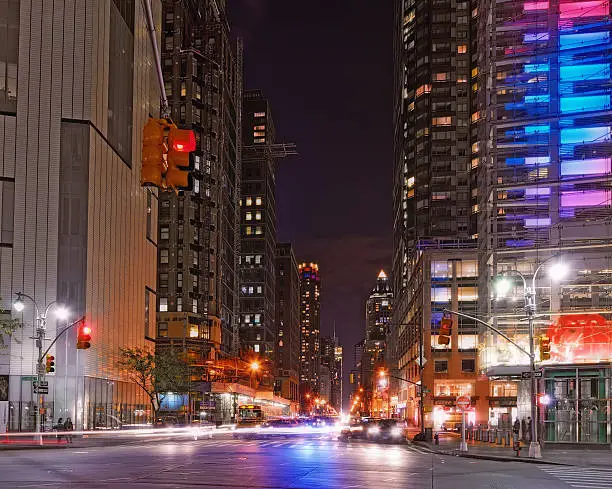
396	432
356	428
374	430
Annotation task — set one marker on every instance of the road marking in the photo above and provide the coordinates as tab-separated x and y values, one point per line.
580	477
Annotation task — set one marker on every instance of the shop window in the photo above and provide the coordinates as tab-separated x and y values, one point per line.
441	366
468	365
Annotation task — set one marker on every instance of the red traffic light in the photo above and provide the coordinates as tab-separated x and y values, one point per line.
182	140
445	331
83	337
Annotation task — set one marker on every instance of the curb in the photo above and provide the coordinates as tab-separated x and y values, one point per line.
497	458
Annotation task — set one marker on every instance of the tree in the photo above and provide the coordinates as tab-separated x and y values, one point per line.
7	325
156	373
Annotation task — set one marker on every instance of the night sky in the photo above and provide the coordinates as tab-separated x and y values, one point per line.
326	68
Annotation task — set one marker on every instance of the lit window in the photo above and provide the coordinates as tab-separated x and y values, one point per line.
474	72
163	304
193	331
259	114
259	140
247	318
183	89
195	306
258	200
179	304
251	289
423	89
249	201
256	348
258	259
249	230
259	134
259	128
474	208
258	216
163	256
441	121
462	49
259	289
410	182
257	318
249	216
439	77
164	233
258	230
462	79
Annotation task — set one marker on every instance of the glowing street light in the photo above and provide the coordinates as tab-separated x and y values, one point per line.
558	270
502	285
254	366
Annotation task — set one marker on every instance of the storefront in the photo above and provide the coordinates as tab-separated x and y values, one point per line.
502	403
576	404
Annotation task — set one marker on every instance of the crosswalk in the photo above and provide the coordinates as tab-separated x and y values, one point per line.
582	477
301	444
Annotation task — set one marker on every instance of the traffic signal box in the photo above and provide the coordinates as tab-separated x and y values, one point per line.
445	331
165	155
83	337
544	348
50	364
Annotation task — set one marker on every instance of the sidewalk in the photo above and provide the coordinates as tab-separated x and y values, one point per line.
449	445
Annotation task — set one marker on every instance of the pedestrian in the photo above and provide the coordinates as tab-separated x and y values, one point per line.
516	428
529	429
68	427
523	430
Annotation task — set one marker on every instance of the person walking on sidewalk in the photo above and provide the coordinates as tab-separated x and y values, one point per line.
523	430
516	428
68	426
529	428
59	427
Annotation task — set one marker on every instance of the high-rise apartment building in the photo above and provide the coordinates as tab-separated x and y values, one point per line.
258	227
77	85
287	348
435	189
198	237
310	335
331	366
544	198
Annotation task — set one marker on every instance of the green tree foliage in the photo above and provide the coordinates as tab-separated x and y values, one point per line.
7	325
156	373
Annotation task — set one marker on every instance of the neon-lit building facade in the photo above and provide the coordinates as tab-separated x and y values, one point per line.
544	189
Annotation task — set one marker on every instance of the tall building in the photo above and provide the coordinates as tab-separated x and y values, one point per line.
258	227
434	196
287	350
337	388
76	88
544	194
310	346
379	309
198	236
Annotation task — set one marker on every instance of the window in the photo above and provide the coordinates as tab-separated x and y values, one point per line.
257	318
259	289
247	318
258	201
249	230
162	330
442	121
163	256
179	304
259	140
259	114
258	259
259	134
179	280
258	216
183	89
468	365
164	233
195	306
423	89
163	304
256	348
461	49
149	217
258	230
147	316
194	331
439	77
249	216
249	201
259	128
163	280
441	366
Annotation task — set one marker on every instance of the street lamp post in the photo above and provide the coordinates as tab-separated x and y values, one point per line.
529	295
39	337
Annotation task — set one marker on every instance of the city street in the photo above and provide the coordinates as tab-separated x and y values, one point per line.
278	463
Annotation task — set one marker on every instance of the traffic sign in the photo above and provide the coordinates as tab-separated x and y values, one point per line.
43	388
463	402
537	374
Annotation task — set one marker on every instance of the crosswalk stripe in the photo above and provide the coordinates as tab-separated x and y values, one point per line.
580	477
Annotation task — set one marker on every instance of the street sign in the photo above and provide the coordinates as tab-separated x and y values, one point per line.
463	402
421	361
536	374
43	388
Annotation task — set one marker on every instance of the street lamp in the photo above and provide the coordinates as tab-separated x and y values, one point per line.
503	285
41	327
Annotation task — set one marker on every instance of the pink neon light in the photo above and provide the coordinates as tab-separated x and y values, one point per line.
590	8
587	198
535	6
586	167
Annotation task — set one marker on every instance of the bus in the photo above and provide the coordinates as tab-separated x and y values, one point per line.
249	415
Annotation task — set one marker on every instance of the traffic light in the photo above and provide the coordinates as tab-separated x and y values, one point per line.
445	331
180	143
153	151
544	348
50	364
83	337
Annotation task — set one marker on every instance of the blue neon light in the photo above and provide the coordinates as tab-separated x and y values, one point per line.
535	68
585	72
574	41
585	135
537	99
537	37
538	129
585	104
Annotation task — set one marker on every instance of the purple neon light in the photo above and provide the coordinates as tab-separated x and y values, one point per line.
535	6
585	198
537	222
590	8
537	191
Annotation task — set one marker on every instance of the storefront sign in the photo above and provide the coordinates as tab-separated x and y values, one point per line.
502	401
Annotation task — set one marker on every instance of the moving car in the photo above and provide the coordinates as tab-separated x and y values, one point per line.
387	430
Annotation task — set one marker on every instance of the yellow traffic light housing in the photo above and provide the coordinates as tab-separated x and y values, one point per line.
544	348
445	331
153	153
50	364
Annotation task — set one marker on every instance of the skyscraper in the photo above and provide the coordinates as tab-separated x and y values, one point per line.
434	201
310	351
258	227
287	349
544	196
76	226
331	371
198	229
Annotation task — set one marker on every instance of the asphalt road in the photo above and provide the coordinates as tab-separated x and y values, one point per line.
277	463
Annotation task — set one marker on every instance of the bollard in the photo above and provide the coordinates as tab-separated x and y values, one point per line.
517	448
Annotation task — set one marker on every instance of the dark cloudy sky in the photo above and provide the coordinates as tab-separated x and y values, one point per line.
326	67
